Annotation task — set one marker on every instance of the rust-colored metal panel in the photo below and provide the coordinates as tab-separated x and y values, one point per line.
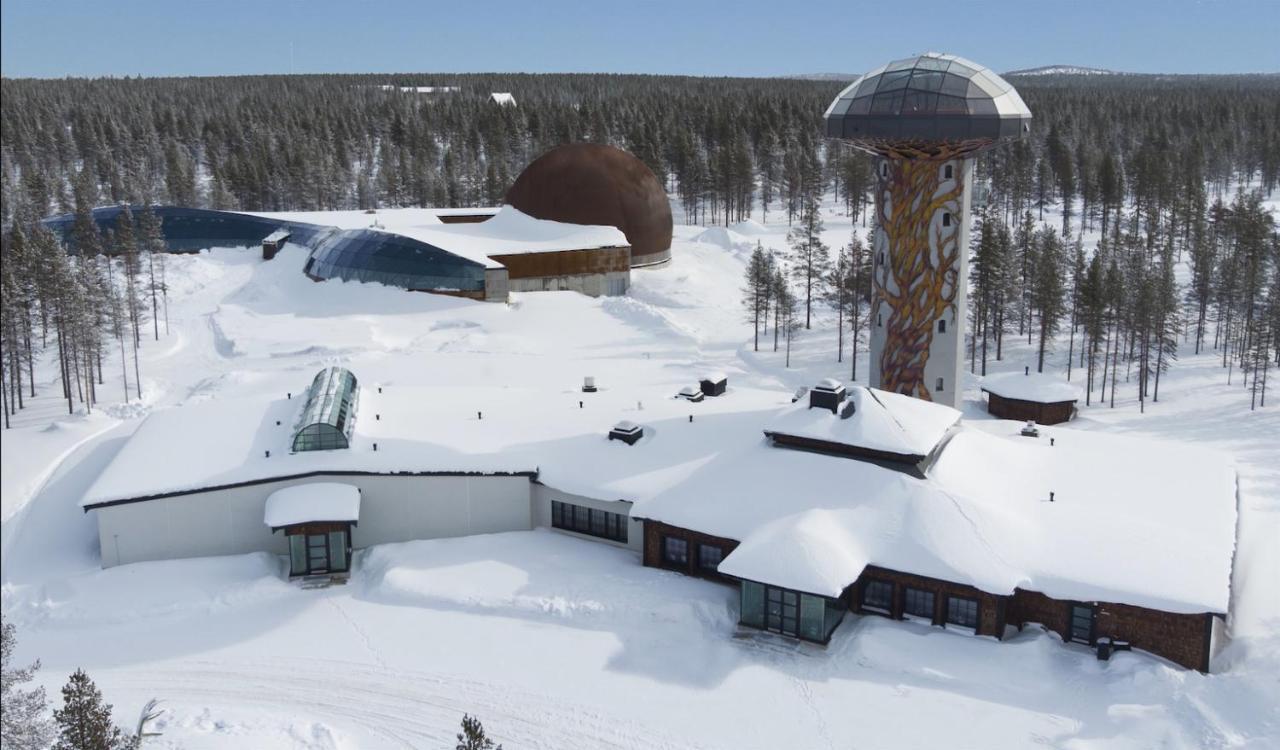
565	262
590	183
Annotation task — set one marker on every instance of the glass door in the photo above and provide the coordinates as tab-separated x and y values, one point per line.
317	553
782	610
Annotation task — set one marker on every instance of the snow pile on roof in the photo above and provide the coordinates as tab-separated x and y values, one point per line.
1157	519
1035	386
881	421
508	232
1139	521
315	501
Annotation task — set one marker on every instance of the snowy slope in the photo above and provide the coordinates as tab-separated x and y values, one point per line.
557	642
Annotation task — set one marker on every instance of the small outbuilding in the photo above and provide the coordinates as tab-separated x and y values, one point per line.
272	243
713	384
317	519
1030	396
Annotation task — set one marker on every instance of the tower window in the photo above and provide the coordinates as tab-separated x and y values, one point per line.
880	321
947	172
884	169
946	219
939	388
881	259
942	326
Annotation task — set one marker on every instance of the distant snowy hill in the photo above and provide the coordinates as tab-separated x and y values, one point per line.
1062	70
823	76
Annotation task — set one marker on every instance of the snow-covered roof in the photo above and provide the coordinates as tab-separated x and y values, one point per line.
1031	386
503	98
881	421
507	232
1134	520
311	502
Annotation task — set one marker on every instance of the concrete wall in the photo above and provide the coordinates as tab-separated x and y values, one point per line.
496	285
392	509
590	284
542	496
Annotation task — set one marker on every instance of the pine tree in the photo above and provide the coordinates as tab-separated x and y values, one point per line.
23	725
84	721
472	736
1047	291
756	291
810	258
859	295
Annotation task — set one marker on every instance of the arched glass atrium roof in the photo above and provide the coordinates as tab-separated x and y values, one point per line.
192	229
930	97
392	259
329	416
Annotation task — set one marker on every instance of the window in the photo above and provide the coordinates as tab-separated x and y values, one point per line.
879	321
918	603
1082	623
884	169
946	219
962	611
590	521
938	388
752	604
947	172
675	551
942	326
877	595
709	557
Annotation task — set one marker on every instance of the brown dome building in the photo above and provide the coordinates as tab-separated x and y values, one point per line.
590	183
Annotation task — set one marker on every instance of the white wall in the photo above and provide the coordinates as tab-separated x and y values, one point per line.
392	509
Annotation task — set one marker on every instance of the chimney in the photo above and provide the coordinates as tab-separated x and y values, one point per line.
589	384
828	394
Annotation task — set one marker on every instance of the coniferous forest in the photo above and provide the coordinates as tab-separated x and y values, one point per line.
1170	171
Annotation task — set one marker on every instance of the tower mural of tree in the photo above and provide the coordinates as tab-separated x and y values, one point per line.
919	277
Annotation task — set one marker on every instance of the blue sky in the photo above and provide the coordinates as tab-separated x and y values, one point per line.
199	37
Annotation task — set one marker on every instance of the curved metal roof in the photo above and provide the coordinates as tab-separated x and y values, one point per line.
932	97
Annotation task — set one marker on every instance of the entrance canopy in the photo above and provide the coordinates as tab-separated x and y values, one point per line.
316	502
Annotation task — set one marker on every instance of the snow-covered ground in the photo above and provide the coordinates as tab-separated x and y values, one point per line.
553	641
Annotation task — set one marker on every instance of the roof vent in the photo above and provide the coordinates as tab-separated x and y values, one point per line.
589	384
627	432
713	383
1030	429
691	393
799	394
829	393
848	409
